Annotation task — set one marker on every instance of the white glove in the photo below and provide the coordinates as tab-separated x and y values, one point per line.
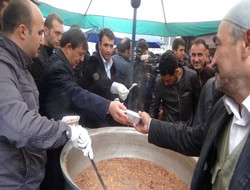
120	89
80	139
123	92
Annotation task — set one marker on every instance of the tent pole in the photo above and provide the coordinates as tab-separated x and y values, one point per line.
135	4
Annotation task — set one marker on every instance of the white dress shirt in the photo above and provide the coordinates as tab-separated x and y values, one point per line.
241	121
107	65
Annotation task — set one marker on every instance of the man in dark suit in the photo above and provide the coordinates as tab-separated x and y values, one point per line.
61	95
224	147
100	73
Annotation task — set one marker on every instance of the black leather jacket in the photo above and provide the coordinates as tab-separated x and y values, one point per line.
179	101
208	97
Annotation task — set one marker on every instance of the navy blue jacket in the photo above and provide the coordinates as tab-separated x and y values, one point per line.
61	95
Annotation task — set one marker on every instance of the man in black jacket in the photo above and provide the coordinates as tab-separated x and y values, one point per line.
100	73
199	56
100	76
61	95
178	91
53	31
224	156
178	48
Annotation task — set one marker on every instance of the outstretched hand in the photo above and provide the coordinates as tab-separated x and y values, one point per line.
116	110
143	125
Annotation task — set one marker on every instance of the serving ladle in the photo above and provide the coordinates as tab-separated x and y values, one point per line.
133	85
97	173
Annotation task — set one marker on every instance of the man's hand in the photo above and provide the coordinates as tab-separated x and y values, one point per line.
143	125
80	139
116	110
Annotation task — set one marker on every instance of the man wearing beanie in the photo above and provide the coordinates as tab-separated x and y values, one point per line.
224	156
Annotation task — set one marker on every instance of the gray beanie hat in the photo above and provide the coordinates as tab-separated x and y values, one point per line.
240	14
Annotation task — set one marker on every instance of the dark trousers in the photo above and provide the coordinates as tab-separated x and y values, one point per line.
53	179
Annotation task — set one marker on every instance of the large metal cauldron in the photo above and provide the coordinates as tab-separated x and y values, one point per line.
111	142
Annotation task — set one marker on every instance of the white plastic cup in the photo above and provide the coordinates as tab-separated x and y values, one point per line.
72	120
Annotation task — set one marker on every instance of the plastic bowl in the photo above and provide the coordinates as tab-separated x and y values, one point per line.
71	119
133	117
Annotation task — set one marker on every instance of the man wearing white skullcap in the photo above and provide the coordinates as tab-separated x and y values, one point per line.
224	158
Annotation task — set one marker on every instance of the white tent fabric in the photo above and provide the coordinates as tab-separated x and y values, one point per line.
154	17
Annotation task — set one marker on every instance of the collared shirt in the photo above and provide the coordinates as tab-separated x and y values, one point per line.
241	121
107	65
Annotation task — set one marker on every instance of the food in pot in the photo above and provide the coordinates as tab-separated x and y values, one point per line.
129	173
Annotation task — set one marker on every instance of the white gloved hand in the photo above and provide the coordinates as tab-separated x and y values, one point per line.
123	92
80	139
120	89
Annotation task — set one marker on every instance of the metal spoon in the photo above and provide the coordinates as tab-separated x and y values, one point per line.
97	173
133	85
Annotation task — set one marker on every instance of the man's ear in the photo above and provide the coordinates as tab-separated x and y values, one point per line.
68	48
246	50
23	31
177	71
46	31
248	37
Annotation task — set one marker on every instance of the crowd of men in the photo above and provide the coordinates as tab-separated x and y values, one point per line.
189	107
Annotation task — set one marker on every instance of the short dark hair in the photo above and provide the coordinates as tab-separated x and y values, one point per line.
75	37
168	63
178	42
106	32
124	45
17	12
200	41
50	18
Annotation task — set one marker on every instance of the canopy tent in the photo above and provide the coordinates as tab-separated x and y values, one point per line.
154	17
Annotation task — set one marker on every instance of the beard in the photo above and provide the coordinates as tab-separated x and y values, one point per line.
229	85
220	83
175	81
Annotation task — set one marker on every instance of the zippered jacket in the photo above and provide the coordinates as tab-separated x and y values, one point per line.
24	133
